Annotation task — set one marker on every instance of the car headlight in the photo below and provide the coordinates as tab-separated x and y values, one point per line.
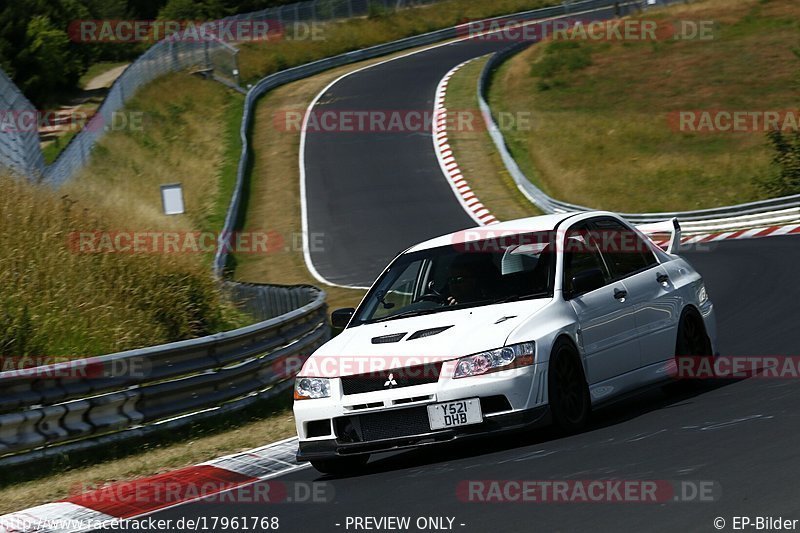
504	358
311	388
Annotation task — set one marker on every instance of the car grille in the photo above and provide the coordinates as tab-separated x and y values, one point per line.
402	377
383	425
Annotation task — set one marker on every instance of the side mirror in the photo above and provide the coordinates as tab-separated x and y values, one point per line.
587	281
341	317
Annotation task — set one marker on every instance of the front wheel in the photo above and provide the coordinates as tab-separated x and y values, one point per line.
568	393
692	339
692	348
341	466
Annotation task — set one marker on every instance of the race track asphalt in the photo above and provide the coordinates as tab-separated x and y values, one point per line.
372	194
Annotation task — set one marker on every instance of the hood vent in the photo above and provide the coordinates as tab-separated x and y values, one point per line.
386	339
427	332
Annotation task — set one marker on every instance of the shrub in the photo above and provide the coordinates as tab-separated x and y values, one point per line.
560	58
785	178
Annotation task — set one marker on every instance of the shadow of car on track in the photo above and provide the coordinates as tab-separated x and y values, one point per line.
629	407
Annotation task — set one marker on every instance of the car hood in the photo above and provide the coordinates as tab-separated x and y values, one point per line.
467	331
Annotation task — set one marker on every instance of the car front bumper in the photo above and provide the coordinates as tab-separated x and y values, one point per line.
336	447
397	418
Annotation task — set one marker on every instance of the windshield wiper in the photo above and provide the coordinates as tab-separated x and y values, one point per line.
517	297
417	312
478	303
404	314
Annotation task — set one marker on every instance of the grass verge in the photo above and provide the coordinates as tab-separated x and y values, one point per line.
258	59
601	134
51	150
59	302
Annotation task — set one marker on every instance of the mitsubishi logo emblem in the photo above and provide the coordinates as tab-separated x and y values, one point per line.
390	382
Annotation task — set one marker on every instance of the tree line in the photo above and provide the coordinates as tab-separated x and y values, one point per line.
37	53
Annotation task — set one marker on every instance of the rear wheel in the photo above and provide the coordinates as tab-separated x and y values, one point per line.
568	393
341	466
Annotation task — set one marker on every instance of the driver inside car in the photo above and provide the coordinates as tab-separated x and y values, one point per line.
471	278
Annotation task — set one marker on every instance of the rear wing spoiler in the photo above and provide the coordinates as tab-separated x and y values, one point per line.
667	227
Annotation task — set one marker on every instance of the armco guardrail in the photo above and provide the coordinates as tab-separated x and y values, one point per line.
303	71
710	218
52	410
267	301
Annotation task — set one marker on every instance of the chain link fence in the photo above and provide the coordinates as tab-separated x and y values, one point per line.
19	147
162	58
20	150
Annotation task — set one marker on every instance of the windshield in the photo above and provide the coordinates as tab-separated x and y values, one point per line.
462	275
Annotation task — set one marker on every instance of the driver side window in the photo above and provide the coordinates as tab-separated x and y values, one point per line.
401	292
581	255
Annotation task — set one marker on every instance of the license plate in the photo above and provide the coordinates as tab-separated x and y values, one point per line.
454	414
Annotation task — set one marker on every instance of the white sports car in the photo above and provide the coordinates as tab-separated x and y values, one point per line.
501	327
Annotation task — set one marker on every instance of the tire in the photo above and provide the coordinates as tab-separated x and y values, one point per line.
692	340
341	466
568	393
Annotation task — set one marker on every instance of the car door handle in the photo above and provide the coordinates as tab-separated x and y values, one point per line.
662	278
619	295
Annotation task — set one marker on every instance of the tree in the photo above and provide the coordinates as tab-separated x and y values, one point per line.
785	180
194	10
47	59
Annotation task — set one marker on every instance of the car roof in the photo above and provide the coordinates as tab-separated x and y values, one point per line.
510	227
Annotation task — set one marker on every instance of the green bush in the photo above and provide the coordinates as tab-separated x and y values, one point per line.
560	58
785	178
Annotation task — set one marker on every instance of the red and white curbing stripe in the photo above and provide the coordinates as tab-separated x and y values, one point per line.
751	233
447	162
133	499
